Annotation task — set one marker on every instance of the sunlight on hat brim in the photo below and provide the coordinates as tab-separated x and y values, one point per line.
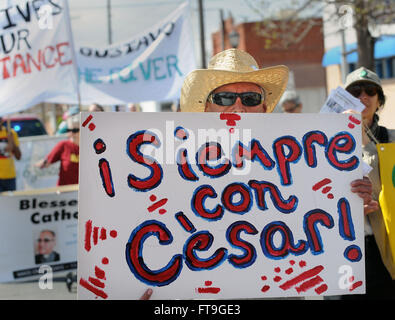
199	83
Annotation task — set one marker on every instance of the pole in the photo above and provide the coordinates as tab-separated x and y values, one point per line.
202	41
221	14
109	22
73	54
344	66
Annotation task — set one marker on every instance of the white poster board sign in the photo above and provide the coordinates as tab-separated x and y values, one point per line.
219	206
38	229
33	150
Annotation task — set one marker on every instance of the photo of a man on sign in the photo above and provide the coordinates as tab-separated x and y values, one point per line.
45	247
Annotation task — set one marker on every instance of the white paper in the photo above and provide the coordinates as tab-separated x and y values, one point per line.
339	100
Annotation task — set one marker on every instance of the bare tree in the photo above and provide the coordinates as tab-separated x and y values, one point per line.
286	21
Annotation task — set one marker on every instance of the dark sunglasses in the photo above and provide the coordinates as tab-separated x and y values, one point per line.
248	99
369	88
75	130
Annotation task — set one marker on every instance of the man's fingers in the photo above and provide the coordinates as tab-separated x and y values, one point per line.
372	206
147	294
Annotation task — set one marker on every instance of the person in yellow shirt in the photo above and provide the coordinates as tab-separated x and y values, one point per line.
9	148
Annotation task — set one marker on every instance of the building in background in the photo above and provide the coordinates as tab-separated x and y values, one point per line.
302	53
384	55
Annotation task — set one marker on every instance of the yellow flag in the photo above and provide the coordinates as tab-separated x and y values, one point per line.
386	153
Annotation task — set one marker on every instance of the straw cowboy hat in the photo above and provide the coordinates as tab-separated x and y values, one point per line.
232	66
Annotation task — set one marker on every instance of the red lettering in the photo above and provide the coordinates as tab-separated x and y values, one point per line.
202	241
309	149
244	205
6	74
20	64
284	159
134	142
61	53
343	142
197	203
44	57
134	254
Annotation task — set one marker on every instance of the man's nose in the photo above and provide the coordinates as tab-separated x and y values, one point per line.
238	106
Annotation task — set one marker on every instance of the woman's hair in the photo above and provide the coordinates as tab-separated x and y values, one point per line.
381	97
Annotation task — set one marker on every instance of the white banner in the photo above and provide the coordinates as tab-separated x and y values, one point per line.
36	54
150	66
33	150
38	229
219	206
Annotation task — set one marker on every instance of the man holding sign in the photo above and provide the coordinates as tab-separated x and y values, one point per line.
233	82
365	85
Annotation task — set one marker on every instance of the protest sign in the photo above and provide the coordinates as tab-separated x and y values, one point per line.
150	66
34	149
386	154
38	228
200	205
36	55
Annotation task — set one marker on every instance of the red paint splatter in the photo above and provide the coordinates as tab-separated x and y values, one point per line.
88	232
95	235
103	234
156	205
96	282
96	291
105	260
277	279
322	288
230	118
355	285
303	276
277	269
354	120
309	284
321	183
289	271
100	273
89	118
113	233
209	290
265	288
302	263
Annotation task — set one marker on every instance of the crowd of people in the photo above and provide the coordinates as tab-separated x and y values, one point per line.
233	82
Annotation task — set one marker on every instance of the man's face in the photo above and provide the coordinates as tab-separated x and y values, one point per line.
46	242
291	107
237	106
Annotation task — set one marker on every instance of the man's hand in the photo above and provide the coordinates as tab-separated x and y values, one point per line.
147	294
363	187
12	148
